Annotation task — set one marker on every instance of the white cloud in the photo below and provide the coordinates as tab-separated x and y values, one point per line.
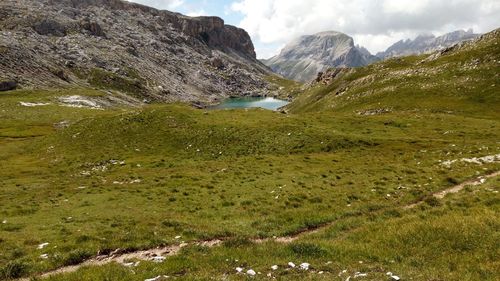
376	24
197	13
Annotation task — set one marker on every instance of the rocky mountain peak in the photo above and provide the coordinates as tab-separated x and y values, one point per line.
211	30
148	52
303	58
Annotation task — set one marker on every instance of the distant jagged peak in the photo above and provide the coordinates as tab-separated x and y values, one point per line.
427	43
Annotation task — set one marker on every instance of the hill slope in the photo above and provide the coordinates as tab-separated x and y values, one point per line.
150	54
462	79
305	57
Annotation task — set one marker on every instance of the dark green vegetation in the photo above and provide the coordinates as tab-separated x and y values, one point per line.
137	178
130	83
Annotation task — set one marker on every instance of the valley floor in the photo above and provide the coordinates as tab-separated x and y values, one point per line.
331	190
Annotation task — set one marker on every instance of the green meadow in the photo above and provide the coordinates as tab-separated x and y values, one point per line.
89	182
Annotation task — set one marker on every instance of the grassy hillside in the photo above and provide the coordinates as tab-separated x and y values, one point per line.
464	81
92	181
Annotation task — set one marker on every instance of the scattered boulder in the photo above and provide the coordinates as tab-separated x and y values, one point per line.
328	76
305	266
60	74
217	63
7	85
93	28
50	27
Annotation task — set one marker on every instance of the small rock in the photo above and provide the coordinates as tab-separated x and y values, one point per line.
304	266
274	267
359	274
396	278
239	269
217	63
44	256
132	264
291	264
158	278
178	237
43	245
158	259
251	272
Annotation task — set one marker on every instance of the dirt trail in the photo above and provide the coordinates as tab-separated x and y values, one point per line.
158	254
457	188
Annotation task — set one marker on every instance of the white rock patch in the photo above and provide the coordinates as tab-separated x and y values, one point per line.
158	278
79	102
43	245
474	160
33	104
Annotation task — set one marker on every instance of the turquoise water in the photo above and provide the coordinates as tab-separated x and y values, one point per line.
266	103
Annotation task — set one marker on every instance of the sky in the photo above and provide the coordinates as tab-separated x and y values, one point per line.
374	24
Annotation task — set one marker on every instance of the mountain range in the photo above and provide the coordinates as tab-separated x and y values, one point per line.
304	58
425	44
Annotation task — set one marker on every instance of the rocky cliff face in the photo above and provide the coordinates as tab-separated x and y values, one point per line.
305	57
425	44
157	55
